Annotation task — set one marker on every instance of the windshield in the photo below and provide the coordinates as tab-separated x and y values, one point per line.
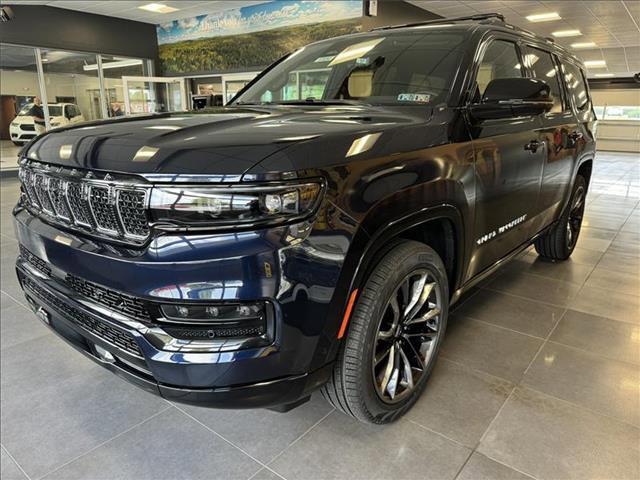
415	67
54	110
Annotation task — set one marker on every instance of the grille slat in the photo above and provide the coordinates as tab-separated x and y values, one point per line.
41	190
132	208
76	198
104	208
103	330
57	189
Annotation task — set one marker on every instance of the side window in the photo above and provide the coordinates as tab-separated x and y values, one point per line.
576	85
500	61
544	68
68	111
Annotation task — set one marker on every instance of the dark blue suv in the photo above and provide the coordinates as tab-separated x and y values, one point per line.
313	233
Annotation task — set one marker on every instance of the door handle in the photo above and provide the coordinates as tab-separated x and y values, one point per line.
533	146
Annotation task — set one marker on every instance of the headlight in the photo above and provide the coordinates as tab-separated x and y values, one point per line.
233	206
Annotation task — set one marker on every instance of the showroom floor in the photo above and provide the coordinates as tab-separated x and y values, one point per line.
538	377
8	155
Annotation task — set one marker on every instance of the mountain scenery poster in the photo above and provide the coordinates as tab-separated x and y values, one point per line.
253	36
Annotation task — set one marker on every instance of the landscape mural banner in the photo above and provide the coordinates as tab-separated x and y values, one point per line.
253	36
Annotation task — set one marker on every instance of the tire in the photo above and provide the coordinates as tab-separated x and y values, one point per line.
377	394
559	242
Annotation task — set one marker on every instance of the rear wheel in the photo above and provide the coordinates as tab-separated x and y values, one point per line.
559	242
394	336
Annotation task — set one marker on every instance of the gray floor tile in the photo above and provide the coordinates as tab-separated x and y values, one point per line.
480	467
610	304
8	469
605	279
621	263
58	423
582	256
606	386
567	271
266	474
38	364
619	247
597	244
340	447
263	434
459	402
17	324
516	313
606	337
490	349
535	287
549	438
168	446
587	232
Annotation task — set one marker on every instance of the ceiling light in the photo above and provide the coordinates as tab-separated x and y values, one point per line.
603	75
158	8
583	45
543	17
567	33
595	64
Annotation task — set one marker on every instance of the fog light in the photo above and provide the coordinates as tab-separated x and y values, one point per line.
214	314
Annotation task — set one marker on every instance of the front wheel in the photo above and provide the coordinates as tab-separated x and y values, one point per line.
394	336
559	242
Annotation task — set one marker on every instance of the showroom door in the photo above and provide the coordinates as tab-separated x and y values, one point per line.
232	84
154	95
509	159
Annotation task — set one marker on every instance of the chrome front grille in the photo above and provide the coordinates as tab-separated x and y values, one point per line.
108	207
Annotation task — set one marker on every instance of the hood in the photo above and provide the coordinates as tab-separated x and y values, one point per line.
227	142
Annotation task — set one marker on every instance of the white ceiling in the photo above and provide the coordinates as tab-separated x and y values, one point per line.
614	25
129	8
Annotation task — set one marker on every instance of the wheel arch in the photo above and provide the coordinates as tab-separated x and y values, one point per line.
423	225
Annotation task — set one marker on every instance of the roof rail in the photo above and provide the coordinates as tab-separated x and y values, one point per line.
478	17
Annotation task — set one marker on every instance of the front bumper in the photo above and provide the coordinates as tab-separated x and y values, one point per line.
293	365
18	135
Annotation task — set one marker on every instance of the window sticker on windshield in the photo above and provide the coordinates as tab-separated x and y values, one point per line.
414	97
362	61
324	59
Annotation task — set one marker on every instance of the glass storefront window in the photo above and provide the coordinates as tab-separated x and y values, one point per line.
18	85
113	69
73	87
618	112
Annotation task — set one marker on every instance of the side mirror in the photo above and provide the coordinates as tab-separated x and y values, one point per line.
513	97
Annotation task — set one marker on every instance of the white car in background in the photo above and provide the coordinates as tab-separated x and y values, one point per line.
22	128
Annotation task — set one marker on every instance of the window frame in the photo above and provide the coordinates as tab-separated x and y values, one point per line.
564	97
589	100
480	52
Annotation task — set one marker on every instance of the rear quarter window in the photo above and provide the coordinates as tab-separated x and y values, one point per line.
576	85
